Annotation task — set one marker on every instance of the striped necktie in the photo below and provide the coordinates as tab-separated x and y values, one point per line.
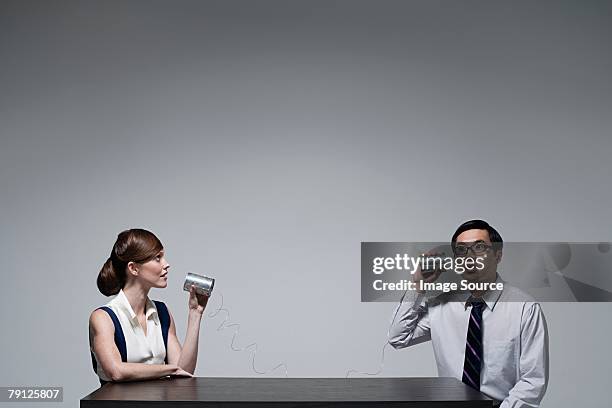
473	346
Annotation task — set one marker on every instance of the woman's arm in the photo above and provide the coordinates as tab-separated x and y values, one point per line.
187	356
102	332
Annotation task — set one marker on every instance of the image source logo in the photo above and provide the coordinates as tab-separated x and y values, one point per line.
546	271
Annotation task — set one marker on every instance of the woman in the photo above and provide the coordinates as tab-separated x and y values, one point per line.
132	337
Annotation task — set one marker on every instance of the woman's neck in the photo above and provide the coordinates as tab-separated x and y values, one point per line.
137	296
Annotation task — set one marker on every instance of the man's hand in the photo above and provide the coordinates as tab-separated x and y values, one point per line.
430	275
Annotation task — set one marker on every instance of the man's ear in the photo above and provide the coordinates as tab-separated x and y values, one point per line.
498	255
132	268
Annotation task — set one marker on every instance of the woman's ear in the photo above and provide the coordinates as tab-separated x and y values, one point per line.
132	268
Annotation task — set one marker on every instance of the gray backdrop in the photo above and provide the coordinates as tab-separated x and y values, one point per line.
263	141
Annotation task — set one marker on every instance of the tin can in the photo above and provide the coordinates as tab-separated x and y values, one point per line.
433	264
203	284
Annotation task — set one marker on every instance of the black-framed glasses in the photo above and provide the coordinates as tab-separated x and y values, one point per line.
477	247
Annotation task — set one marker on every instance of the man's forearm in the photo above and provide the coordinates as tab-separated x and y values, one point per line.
527	393
405	329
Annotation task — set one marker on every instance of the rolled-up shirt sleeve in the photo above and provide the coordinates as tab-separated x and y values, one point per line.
410	321
533	362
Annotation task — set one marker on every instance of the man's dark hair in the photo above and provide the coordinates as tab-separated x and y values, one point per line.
494	236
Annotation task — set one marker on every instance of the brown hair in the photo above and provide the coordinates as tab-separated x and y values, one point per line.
133	245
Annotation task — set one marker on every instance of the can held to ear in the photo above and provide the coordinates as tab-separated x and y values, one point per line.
203	284
433	264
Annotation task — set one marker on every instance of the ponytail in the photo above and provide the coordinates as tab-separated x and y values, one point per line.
109	282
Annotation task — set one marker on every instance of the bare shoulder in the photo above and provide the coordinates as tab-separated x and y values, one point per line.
100	321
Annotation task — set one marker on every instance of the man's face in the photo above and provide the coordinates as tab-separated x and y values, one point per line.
480	246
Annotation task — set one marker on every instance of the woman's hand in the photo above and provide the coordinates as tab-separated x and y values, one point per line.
179	372
197	302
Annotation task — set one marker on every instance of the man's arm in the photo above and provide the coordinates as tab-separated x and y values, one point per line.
410	324
533	363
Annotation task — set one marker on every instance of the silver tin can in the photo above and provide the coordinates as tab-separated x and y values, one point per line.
203	284
433	264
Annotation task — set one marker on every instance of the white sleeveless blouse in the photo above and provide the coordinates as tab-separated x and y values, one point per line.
141	348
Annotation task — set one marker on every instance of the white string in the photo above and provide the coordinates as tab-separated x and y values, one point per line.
381	365
225	324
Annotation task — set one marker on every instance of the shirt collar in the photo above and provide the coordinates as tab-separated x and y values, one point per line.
124	304
490	297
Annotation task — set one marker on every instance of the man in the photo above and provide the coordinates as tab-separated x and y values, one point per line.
494	341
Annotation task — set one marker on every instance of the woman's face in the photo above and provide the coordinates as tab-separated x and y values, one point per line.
154	273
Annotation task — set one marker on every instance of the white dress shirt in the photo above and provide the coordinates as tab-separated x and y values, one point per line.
514	340
141	348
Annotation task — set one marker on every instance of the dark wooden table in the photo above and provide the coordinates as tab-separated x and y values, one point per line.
288	393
